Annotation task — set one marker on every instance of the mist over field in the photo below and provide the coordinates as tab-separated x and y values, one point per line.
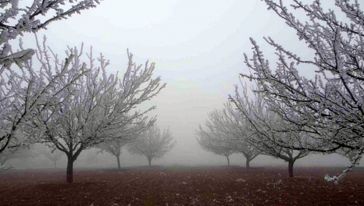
181	102
198	49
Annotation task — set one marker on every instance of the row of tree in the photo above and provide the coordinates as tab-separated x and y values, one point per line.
287	114
69	104
225	133
151	143
229	131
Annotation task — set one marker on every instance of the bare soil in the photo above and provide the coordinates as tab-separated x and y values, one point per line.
181	186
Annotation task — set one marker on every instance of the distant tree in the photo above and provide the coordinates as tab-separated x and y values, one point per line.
153	144
131	132
226	133
96	108
18	153
54	156
4	159
114	148
3	165
215	144
328	108
264	130
235	126
248	150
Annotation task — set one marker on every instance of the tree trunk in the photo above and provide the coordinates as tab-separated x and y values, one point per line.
55	164
149	161
247	163
290	168
228	160
118	161
70	169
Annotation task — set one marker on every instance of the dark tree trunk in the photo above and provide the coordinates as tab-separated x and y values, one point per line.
149	161
118	161
290	168
70	161
247	163
228	160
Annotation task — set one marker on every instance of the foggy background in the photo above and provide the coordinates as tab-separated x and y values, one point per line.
198	48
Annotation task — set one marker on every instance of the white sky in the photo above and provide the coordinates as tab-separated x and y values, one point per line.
198	48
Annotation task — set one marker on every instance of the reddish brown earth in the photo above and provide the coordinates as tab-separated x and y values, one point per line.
180	186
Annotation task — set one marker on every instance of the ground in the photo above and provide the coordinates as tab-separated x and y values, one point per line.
180	186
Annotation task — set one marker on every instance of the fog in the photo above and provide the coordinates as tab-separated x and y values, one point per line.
198	48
